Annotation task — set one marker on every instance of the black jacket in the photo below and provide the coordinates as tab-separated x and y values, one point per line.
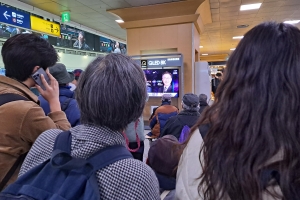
175	124
203	105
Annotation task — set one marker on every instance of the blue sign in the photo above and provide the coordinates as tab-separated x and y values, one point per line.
14	17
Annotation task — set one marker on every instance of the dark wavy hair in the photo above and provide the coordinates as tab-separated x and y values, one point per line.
255	117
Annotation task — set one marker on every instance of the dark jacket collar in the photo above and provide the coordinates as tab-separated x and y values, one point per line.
203	103
190	112
165	103
65	91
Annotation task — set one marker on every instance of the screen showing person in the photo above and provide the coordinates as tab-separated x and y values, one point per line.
117	48
167	80
160	81
80	42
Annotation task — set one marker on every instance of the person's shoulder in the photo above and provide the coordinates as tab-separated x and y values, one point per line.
138	171
133	173
48	137
41	150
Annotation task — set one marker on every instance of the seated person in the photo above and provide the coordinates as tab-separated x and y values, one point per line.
106	109
161	115
66	96
167	80
188	116
163	158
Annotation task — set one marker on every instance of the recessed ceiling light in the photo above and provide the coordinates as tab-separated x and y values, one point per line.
250	6
292	22
119	21
237	37
204	54
200	47
242	26
232	49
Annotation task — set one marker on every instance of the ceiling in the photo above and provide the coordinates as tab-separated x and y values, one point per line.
216	37
226	15
92	13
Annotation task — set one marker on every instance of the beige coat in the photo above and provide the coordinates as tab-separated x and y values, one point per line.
189	171
21	122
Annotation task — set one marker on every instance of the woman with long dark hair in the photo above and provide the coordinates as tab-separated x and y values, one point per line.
251	150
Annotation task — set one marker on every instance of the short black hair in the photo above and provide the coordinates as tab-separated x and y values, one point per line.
22	52
111	92
203	97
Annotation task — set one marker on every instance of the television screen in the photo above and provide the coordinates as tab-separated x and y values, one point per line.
111	46
161	81
75	38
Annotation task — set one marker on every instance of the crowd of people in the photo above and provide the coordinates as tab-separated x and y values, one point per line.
88	142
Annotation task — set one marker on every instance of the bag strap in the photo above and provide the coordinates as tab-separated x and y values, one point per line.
164	194
108	155
98	160
137	138
6	98
12	170
63	142
66	103
9	97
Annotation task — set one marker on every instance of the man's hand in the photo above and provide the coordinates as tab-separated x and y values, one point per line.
51	94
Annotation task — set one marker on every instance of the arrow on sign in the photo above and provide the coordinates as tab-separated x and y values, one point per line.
6	15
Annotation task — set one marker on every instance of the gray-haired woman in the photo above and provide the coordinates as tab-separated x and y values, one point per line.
110	93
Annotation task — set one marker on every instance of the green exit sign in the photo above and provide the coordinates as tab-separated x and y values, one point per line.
65	17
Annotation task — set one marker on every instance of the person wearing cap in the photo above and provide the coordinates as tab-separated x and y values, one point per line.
188	116
66	96
161	115
203	102
73	84
163	158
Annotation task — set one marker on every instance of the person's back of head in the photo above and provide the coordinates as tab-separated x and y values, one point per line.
77	73
60	73
164	154
190	102
202	98
166	99
111	92
23	52
255	117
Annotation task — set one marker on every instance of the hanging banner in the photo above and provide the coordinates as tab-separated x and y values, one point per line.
14	17
44	26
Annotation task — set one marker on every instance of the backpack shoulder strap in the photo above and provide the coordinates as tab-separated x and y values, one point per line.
66	103
109	155
63	142
12	170
100	159
9	97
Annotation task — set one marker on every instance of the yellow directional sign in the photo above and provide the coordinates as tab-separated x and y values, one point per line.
44	26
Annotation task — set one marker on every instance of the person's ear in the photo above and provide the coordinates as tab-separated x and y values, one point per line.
35	69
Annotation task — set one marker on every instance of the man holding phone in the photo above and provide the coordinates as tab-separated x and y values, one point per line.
22	120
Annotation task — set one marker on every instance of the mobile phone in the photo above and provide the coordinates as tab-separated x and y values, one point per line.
37	77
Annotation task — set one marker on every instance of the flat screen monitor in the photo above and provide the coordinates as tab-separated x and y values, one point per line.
75	38
161	81
112	46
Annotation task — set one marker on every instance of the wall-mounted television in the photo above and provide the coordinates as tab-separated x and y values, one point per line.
161	81
111	46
